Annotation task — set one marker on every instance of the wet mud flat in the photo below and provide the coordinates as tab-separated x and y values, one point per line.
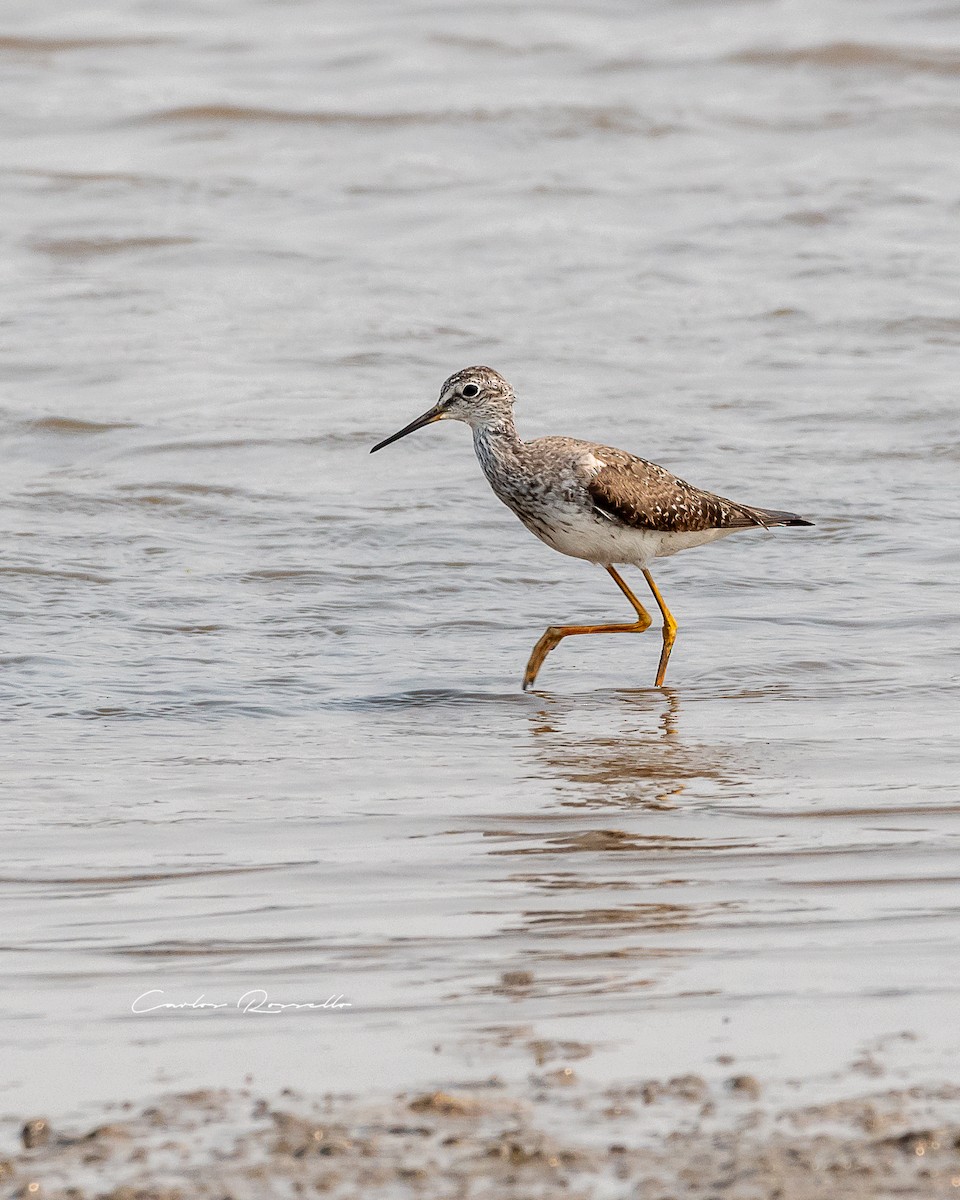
654	1139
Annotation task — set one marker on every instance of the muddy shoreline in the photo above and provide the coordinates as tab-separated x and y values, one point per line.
656	1138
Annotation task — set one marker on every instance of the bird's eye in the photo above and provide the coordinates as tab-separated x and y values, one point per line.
470	390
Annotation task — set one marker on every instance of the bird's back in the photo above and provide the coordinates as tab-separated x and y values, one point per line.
643	495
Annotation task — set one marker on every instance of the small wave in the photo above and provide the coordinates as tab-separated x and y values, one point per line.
156	627
249	114
429	698
572	118
495	45
49	573
595	841
73	426
90	247
854	55
70	179
309	574
135	877
939	329
138	490
185	709
209	949
780	314
53	45
337	438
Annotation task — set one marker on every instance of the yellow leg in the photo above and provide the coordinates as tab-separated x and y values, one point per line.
669	629
556	633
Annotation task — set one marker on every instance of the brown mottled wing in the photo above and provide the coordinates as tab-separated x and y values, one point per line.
645	496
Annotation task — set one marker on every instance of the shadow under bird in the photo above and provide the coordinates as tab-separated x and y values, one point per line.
589	501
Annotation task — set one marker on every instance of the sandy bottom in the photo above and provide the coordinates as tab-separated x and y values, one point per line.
654	1140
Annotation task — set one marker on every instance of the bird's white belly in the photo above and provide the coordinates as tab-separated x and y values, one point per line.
670	543
573	531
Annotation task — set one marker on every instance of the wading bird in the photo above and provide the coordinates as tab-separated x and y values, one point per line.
588	501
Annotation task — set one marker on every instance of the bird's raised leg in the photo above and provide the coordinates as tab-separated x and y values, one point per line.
556	633
669	628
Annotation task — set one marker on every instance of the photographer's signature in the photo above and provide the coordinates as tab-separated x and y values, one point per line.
254	1001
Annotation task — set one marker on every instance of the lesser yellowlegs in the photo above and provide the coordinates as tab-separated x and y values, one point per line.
587	500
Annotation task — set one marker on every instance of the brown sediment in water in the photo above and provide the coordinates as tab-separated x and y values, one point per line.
485	1140
941	61
55	45
70	248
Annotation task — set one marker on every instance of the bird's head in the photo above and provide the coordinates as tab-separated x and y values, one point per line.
477	395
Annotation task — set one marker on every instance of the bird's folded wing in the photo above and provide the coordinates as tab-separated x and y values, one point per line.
643	495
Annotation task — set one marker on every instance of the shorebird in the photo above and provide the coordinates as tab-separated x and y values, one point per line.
589	501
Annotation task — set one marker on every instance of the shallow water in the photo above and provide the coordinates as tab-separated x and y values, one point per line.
263	726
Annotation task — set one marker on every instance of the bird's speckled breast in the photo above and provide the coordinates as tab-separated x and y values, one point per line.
545	485
537	492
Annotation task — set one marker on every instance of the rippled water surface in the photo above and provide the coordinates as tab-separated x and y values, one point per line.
263	726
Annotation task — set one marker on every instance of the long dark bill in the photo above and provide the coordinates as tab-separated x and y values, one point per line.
433	414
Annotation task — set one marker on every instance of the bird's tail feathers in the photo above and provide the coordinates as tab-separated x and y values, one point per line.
769	517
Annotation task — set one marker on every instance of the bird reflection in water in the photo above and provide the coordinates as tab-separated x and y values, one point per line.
613	869
631	756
